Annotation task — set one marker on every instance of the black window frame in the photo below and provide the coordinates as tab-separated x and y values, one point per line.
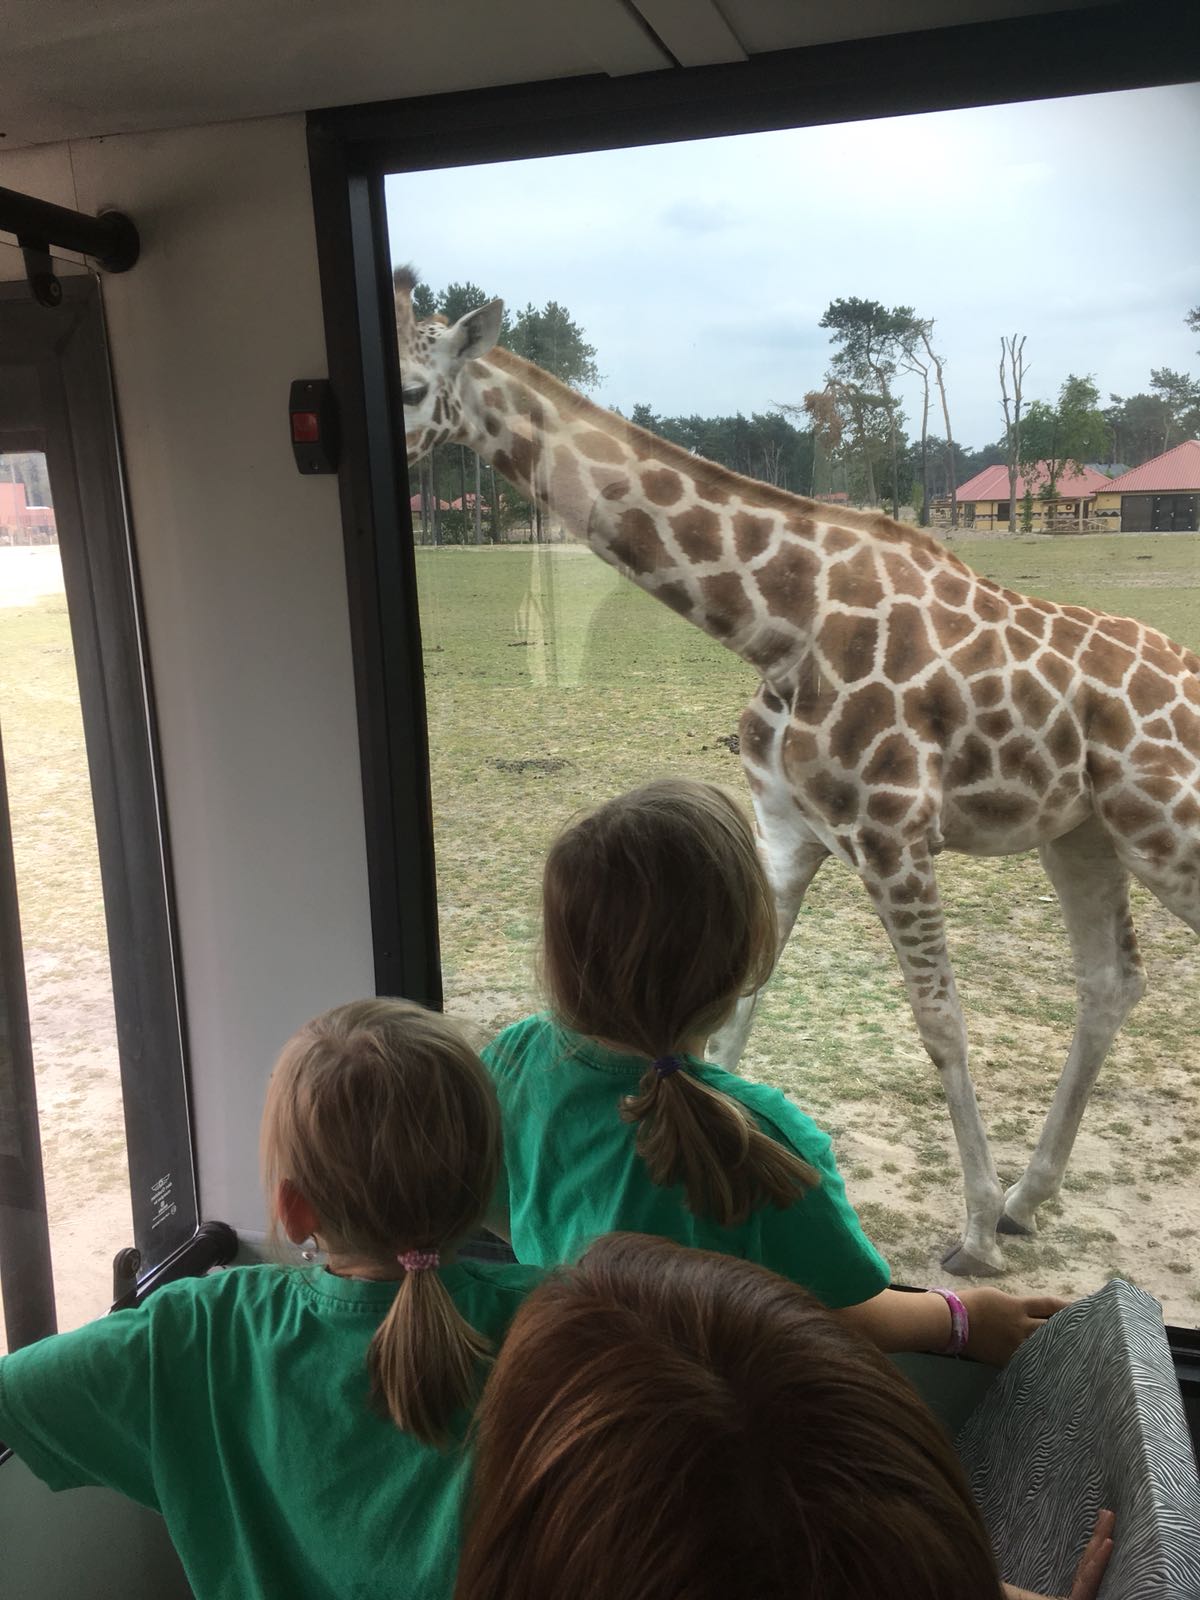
1091	50
77	428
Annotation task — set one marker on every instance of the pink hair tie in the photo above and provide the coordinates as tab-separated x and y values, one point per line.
960	1323
418	1260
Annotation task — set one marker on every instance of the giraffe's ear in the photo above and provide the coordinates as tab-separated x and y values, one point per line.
476	333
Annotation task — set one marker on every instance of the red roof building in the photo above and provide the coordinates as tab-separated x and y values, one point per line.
1175	471
992	484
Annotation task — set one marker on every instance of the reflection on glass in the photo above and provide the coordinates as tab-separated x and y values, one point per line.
59	896
796	308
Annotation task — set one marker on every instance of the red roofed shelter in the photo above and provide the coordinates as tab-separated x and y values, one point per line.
983	499
1160	496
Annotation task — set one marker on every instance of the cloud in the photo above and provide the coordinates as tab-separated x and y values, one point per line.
698	216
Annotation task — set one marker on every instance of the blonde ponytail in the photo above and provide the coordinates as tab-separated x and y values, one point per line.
696	1137
425	1361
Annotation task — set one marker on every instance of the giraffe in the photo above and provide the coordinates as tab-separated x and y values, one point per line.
905	706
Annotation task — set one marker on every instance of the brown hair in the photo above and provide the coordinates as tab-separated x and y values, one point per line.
671	1424
657	916
385	1120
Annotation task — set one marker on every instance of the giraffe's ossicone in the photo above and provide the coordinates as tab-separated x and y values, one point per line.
906	706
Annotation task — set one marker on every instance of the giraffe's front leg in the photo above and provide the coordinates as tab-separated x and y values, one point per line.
909	907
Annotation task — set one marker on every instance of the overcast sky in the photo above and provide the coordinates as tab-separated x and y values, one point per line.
700	271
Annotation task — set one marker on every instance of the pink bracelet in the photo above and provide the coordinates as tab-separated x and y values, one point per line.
960	1323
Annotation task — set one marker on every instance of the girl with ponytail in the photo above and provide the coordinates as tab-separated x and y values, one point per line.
657	918
301	1428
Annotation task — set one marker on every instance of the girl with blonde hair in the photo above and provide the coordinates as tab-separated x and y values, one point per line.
657	918
301	1429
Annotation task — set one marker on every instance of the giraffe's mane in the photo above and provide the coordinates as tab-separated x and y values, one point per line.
572	404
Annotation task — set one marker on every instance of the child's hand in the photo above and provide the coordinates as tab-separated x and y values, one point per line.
1000	1323
1094	1560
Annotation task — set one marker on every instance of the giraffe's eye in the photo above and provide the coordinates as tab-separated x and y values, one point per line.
414	393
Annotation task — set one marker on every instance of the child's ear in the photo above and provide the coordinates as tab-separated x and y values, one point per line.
298	1219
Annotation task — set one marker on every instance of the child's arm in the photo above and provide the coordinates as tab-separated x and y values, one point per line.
999	1323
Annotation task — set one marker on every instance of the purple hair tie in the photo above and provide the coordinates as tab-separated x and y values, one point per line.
666	1065
418	1260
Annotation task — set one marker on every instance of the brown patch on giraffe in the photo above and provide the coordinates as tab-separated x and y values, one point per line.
800	749
756	736
1106	661
1048	606
786	582
1066	636
988	604
1031	698
1149	691
849	644
971	764
1020	761
936	710
1080	614
894	762
1187	812
1159	728
610	488
863	716
903	575
1160	788
1160	844
1160	758
532	408
1103	770
1057	672
906	892
662	486
711	482
597	446
1020	645
1032	621
1123	629
881	852
768	648
751	535
676	596
908	648
772	702
491	423
725	601
888	807
855	582
834	797
636	542
1063	741
569	487
988	692
1187	727
1128	811
997	809
493	397
951	589
699	533
524	455
1108	721
983	653
950	627
836	540
995	724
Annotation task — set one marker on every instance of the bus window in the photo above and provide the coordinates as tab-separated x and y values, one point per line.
850	314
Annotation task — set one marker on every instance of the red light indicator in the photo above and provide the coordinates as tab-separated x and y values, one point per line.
306	427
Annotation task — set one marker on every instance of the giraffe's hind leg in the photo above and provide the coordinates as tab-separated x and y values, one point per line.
1092	885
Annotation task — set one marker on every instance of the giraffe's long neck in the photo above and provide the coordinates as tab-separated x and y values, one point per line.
735	557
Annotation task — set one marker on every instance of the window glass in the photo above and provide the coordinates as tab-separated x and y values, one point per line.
821	311
61	909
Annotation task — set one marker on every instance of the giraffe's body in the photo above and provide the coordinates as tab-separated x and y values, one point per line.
906	706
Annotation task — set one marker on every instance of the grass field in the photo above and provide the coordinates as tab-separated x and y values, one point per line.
553	683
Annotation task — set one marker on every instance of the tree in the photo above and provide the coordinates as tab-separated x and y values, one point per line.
1192	318
870	336
926	332
1012	370
1180	396
920	362
552	340
1064	435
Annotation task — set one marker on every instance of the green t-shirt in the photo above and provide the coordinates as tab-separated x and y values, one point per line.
237	1405
573	1171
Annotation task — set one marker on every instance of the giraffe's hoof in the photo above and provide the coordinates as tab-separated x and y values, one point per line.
964	1263
1007	1224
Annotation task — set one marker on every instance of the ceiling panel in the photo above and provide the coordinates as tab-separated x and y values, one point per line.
762	25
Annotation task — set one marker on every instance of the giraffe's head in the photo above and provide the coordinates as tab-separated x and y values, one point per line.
432	357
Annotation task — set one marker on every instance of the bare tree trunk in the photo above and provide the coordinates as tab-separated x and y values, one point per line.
1012	354
478	524
462	485
951	475
925	452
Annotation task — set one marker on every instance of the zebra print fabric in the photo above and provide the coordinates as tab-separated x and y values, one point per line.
1088	1414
